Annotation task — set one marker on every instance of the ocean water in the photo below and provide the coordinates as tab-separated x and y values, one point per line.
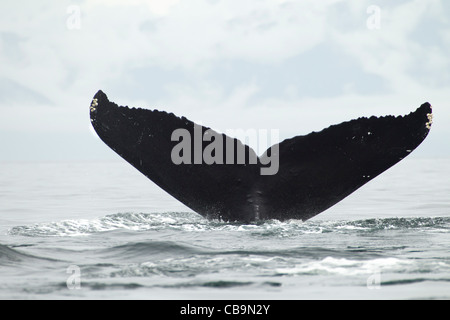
104	231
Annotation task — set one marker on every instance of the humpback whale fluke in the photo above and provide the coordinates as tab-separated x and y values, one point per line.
315	171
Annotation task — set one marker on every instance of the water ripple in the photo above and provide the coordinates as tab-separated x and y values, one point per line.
184	221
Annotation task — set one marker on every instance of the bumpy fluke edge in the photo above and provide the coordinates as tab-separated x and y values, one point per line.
315	172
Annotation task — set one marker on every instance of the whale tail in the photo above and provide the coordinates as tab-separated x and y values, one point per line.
313	172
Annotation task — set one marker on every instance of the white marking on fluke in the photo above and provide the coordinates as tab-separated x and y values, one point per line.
94	104
430	121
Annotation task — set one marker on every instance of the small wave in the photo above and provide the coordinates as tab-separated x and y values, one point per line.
10	255
222	284
7	254
150	249
413	280
346	267
109	286
425	223
128	221
219	284
185	221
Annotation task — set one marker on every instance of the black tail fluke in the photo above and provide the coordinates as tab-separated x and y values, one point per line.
314	172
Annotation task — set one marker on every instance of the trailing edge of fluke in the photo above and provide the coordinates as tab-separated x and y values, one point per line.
315	171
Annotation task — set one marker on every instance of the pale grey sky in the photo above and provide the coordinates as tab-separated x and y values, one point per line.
296	66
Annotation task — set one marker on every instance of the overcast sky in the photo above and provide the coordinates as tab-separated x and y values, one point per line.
297	66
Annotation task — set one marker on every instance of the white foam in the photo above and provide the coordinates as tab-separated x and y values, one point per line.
346	267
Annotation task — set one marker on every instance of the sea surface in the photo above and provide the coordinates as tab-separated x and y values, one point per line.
104	231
